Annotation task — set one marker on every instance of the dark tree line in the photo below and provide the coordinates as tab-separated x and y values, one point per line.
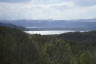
17	47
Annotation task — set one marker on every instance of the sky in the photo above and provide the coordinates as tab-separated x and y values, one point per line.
47	9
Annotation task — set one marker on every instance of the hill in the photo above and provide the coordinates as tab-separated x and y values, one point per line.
80	37
4	24
17	47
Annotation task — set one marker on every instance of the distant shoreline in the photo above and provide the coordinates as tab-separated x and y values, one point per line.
56	29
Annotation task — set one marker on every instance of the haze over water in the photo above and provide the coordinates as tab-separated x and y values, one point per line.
50	32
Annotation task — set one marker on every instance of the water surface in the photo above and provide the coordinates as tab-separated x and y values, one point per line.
49	32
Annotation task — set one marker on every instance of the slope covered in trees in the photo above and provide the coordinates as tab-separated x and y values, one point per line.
17	47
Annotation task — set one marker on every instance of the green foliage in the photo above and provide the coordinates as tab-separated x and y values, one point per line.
84	58
17	47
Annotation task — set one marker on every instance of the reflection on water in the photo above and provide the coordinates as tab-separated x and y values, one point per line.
49	32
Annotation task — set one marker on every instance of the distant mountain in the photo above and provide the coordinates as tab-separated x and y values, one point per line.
83	24
4	24
7	25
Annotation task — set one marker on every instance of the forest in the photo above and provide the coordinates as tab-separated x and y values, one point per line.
17	47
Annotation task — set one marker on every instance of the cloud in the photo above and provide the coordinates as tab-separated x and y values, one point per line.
64	4
14	1
85	2
30	10
53	9
77	2
47	1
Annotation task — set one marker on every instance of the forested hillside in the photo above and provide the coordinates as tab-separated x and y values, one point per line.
17	47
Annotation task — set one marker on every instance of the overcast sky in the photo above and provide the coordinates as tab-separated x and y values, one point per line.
47	9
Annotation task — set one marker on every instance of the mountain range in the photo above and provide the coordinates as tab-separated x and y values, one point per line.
83	24
4	24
